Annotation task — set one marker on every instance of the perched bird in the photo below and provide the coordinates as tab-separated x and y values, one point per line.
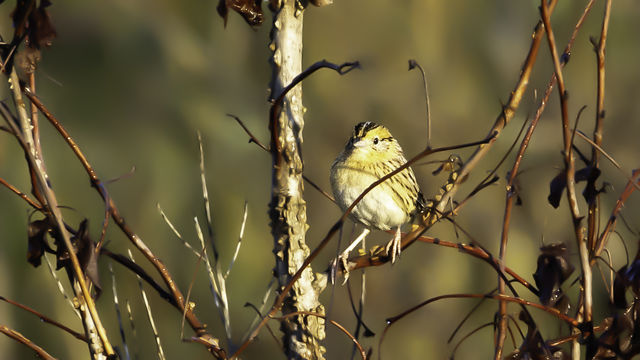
370	154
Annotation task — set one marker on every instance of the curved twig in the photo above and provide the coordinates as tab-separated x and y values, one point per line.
176	294
391	321
23	340
46	319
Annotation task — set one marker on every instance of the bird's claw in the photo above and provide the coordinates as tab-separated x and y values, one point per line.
394	248
343	258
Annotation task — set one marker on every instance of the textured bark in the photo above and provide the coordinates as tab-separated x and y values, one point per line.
301	334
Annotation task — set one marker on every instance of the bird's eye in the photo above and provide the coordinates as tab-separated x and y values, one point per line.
375	141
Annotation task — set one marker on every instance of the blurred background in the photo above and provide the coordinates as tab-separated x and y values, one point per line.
133	81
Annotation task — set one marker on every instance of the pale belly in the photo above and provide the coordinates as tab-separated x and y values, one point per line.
378	209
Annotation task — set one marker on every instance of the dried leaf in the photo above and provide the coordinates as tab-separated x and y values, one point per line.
532	347
621	338
36	233
41	29
620	285
556	188
250	10
552	270
559	183
591	175
87	255
34	23
84	248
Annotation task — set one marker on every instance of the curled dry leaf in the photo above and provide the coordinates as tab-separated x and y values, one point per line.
552	270
33	22
250	10
559	182
621	338
84	248
532	347
37	243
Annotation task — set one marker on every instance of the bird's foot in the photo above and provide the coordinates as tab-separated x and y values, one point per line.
335	267
394	247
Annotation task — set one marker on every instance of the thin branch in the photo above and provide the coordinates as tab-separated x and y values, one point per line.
40	352
367	260
42	185
393	320
235	253
61	289
139	271
22	195
253	139
570	169
609	157
149	312
46	319
412	65
632	185
116	304
472	332
205	198
511	195
194	322
599	49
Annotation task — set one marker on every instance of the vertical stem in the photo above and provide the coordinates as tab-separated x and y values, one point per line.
302	333
569	164
42	184
600	113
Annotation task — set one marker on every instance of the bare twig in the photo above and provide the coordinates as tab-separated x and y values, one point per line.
570	168
22	195
414	64
149	313
255	140
235	253
393	320
599	49
611	224
46	319
139	271
42	185
455	348
205	198
40	352
116	304
178	298
217	283
61	289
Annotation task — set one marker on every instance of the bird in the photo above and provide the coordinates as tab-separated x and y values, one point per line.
371	153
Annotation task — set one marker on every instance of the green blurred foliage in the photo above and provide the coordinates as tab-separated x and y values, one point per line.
133	81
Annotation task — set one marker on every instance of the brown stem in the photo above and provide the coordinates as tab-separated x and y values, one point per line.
569	163
41	183
502	325
40	352
600	113
22	195
46	319
393	320
196	325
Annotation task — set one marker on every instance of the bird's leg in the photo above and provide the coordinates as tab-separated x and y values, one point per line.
394	247
345	254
